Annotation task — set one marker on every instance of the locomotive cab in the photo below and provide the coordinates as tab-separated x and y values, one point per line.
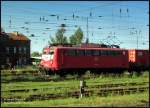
47	58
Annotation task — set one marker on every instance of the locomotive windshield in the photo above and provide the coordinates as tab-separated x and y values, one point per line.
51	53
48	55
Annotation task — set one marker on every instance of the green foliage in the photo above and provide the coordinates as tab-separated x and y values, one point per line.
73	40
35	54
70	76
77	37
59	37
145	74
88	74
2	29
55	77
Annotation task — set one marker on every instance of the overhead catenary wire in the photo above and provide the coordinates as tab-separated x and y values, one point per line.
90	14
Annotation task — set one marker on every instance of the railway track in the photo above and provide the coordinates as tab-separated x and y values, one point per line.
89	91
89	86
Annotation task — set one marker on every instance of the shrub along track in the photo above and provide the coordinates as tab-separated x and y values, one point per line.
100	90
36	75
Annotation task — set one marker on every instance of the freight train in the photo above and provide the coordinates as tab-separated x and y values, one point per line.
68	59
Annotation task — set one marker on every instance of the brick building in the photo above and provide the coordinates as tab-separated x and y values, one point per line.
14	49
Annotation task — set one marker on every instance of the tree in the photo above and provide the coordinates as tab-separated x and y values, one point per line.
73	40
2	30
35	54
77	37
59	37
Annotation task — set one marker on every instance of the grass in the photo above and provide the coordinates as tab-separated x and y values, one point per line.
20	78
72	83
117	101
19	69
63	91
64	86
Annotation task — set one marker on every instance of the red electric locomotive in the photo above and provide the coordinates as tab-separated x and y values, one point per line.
84	58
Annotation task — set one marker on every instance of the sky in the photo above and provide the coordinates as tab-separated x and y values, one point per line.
125	23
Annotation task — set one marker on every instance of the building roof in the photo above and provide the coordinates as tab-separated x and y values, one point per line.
3	36
17	36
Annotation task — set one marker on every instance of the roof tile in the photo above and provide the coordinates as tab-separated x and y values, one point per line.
17	36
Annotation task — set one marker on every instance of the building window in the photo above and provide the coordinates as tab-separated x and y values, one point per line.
19	50
7	50
7	60
25	60
14	50
20	61
24	50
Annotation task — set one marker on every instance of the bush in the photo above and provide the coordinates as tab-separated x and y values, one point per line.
70	76
55	77
135	74
126	74
88	74
145	73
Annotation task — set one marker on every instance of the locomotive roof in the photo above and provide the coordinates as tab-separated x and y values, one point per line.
139	49
61	47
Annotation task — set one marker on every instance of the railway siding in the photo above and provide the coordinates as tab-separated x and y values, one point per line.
89	91
89	86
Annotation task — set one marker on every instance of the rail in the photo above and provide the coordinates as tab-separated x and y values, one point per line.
89	91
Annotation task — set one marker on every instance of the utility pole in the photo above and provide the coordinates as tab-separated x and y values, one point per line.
137	41
10	22
87	39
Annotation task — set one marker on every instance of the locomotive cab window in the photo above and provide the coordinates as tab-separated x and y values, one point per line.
51	53
44	52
